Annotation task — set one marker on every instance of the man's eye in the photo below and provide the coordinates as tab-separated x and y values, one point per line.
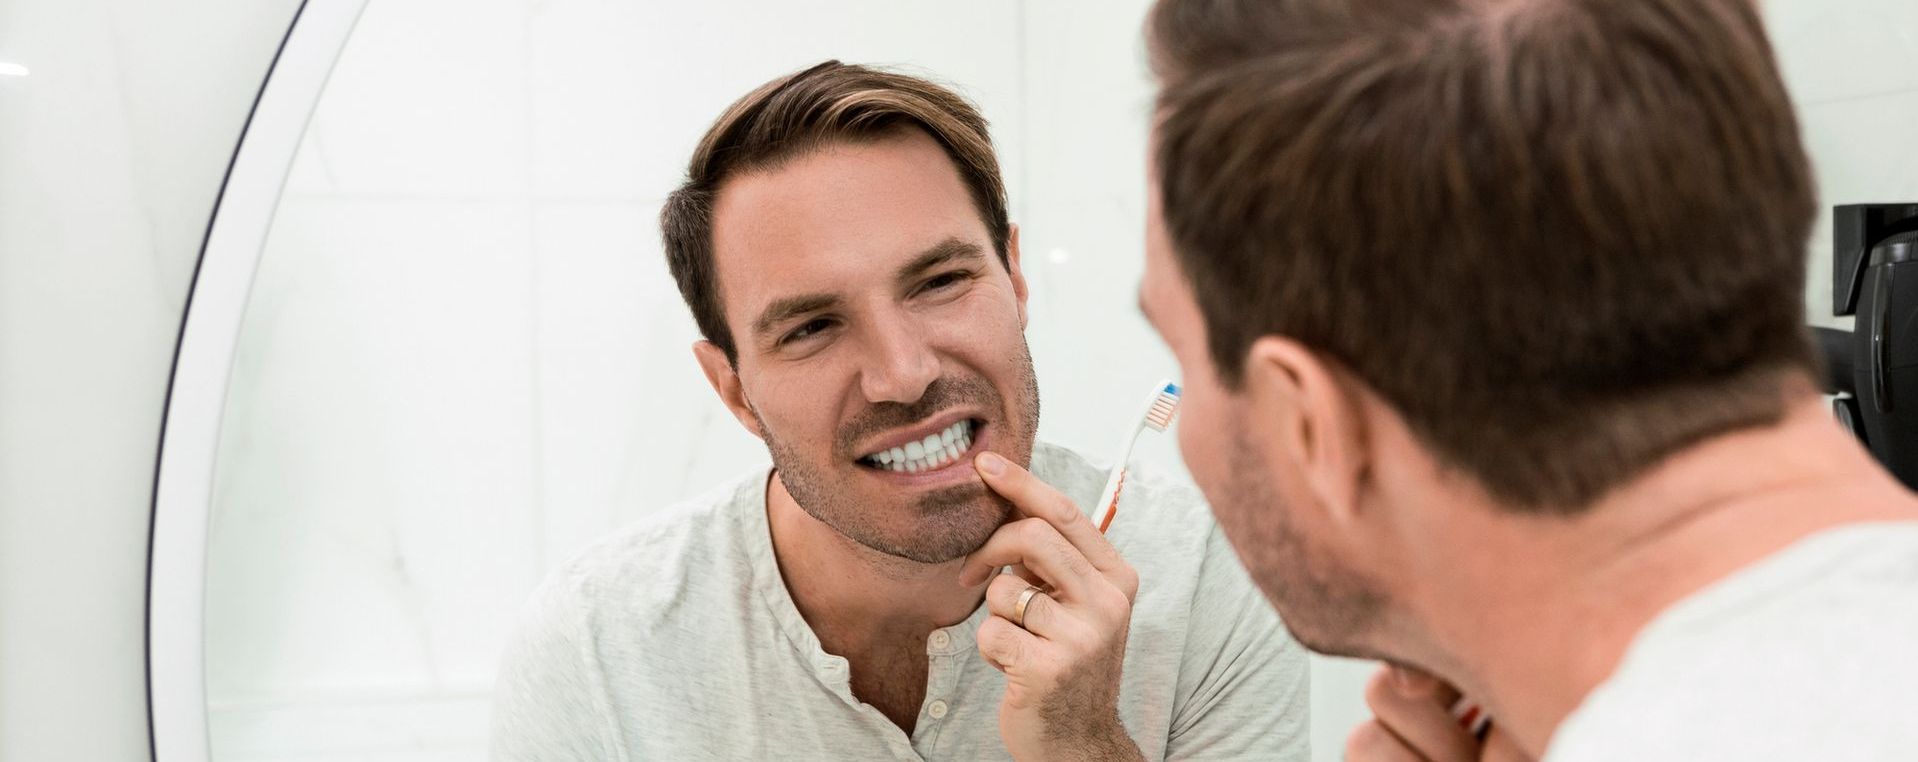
945	280
807	331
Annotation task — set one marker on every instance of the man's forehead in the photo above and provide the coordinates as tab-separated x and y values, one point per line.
837	217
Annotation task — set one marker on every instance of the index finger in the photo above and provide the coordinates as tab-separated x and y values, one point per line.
1039	500
1043	551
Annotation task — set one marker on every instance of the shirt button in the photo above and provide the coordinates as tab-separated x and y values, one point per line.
940	639
937	709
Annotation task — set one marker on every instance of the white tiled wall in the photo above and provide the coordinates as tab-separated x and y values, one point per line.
464	358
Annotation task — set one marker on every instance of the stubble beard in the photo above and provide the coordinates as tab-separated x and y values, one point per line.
949	522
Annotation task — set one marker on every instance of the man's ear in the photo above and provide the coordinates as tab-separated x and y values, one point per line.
1019	289
1308	411
725	380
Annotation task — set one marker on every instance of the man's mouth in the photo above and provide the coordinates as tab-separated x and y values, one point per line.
936	451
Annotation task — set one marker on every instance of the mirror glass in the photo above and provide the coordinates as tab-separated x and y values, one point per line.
463	360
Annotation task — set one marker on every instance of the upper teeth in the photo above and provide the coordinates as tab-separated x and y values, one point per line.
935	451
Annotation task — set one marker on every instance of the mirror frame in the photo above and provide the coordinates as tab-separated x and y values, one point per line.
236	233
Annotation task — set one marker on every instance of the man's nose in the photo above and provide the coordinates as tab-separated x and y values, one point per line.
901	365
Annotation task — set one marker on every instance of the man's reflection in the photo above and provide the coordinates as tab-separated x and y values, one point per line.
842	240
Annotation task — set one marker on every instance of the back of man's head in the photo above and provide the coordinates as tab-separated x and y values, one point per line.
1562	238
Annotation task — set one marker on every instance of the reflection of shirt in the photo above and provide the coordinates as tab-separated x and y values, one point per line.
1811	654
676	639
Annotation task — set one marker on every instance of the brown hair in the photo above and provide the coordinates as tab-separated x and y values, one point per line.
1563	238
803	112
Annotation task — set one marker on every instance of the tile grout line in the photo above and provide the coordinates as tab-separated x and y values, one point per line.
1876	95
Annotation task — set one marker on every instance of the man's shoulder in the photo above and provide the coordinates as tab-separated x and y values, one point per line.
649	564
1148	494
1806	654
1162	525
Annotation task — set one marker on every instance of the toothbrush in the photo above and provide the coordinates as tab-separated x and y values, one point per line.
1156	415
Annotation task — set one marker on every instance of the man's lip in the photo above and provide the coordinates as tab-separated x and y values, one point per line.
917	433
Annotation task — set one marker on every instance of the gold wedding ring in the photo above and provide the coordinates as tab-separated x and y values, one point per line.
1025	598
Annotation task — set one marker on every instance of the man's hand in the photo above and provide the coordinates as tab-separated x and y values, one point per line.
1412	722
1062	666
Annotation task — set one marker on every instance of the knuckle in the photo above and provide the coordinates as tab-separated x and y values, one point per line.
1127	579
1119	603
1005	586
999	642
1065	510
1033	531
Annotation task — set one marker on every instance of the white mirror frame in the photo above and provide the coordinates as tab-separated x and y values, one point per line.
196	394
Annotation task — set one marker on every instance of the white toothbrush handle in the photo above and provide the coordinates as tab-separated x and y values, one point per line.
1109	498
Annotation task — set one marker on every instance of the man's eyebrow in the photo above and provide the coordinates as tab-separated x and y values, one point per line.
787	308
945	251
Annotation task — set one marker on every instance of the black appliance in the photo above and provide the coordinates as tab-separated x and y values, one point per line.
1873	368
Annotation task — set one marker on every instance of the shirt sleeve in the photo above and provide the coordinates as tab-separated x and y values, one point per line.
550	700
1244	682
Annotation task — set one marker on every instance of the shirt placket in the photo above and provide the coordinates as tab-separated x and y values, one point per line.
942	667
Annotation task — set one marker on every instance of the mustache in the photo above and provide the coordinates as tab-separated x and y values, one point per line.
943	393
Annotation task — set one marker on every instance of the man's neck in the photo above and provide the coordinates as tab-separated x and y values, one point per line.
1540	610
856	599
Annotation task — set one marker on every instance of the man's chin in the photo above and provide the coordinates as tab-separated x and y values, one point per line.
1322	644
1328	623
951	525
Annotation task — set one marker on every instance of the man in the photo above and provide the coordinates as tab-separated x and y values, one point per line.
1490	318
842	241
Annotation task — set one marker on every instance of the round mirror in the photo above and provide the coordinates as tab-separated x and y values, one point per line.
463	359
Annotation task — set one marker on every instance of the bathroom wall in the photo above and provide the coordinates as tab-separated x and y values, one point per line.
112	149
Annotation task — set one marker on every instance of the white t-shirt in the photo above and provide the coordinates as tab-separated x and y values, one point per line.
677	639
1811	654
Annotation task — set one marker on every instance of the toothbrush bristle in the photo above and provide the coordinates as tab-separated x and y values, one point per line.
1164	408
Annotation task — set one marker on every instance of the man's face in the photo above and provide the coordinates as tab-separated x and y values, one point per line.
1255	486
880	341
